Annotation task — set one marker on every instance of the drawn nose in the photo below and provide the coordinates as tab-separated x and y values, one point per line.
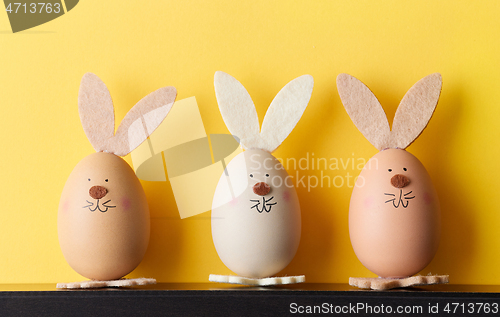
97	192
261	189
400	181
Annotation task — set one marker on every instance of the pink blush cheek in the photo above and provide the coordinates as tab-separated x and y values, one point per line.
125	203
65	206
286	195
368	202
427	198
233	202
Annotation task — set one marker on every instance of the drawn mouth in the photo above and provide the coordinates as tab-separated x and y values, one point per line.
403	200
98	206
264	204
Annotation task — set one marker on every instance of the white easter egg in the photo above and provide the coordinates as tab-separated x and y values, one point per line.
256	215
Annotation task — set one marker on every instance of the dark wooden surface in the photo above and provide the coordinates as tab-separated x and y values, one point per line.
211	299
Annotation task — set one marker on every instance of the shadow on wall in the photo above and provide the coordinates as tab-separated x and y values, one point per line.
324	210
159	261
458	232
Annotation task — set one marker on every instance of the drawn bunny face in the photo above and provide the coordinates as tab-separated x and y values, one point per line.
394	213
102	192
255	212
258	175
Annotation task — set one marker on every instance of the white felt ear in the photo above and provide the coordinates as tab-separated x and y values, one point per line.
285	111
415	110
96	111
365	110
237	108
142	120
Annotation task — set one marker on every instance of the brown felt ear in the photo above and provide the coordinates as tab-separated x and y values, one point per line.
415	110
96	111
365	110
142	120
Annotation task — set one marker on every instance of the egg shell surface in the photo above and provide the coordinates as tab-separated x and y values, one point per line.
255	236
394	232
106	238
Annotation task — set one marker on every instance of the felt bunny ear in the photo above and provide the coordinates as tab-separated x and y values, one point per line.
142	120
415	110
239	114
236	107
365	110
96	111
285	111
97	116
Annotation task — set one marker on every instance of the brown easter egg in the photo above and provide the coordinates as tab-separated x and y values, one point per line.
103	219
394	215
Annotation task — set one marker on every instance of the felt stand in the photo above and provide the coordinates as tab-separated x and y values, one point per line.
102	284
266	281
381	283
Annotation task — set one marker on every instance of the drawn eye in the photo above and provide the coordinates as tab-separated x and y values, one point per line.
267	175
89	179
106	180
390	170
251	175
404	169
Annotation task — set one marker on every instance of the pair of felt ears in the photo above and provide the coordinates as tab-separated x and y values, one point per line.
412	116
240	116
98	119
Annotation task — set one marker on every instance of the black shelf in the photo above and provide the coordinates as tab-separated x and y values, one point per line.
211	299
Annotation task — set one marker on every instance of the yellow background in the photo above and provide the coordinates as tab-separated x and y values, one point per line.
139	46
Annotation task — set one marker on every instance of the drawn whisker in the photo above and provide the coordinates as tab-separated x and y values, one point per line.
259	210
399	201
104	204
266	206
90	204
